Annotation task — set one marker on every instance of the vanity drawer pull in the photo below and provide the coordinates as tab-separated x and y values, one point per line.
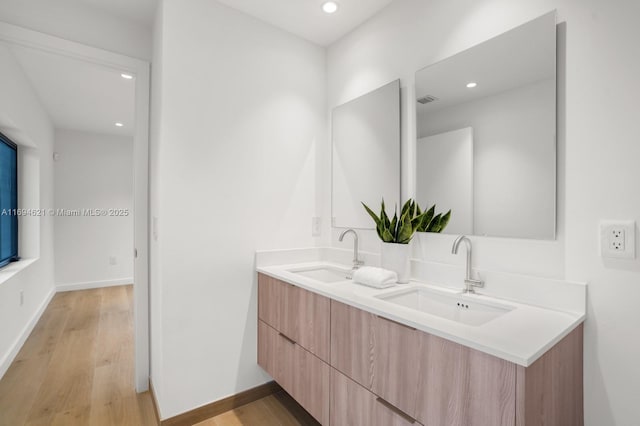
396	410
288	339
396	322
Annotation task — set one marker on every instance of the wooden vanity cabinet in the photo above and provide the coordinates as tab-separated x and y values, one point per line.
380	372
550	391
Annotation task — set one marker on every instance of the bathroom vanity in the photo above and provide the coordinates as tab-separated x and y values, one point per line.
424	353
418	353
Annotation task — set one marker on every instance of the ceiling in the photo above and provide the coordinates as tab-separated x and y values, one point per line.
303	18
79	95
140	11
306	19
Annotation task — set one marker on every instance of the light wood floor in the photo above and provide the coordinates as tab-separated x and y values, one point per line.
76	368
275	410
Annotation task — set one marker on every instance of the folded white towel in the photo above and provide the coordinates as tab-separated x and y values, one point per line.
375	277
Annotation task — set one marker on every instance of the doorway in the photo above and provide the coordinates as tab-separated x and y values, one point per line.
136	72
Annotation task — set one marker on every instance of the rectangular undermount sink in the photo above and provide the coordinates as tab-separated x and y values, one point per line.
323	273
452	307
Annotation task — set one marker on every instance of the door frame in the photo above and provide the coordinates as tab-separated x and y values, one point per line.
141	70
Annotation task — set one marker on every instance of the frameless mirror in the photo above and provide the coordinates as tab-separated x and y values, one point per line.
365	156
486	134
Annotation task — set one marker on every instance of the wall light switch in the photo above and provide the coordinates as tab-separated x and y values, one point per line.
315	227
618	239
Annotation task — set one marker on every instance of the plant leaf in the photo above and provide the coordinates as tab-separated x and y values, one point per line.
383	217
394	226
426	219
375	218
416	221
435	222
405	233
386	236
444	221
405	207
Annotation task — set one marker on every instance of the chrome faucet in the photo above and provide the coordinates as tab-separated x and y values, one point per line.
356	262
469	283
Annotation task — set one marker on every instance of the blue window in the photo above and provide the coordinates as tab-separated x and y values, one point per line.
8	201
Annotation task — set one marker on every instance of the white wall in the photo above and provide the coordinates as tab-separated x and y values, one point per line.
234	163
598	154
94	171
514	158
80	22
20	107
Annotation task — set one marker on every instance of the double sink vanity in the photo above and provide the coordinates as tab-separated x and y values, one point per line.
427	353
420	353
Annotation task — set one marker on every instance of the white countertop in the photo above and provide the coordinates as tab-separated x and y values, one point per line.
520	336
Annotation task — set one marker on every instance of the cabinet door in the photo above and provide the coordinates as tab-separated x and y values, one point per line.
352	342
353	405
312	384
310	325
276	355
460	386
395	371
303	375
272	302
299	314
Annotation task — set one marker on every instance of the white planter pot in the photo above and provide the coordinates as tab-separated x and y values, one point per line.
395	257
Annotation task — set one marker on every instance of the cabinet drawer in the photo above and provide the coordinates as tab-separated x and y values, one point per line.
353	405
276	355
303	375
297	313
352	342
460	386
396	364
377	353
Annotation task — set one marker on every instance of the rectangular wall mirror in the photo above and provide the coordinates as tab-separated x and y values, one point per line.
365	156
486	135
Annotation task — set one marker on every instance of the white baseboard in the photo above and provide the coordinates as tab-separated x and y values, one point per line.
8	358
93	284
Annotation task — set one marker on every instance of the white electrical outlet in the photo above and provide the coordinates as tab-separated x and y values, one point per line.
618	239
315	226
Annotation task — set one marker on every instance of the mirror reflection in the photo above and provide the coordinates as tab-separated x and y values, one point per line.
486	142
366	155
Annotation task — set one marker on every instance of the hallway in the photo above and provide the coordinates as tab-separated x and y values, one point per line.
76	367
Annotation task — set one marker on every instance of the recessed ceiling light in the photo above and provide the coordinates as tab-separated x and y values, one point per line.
119	124
329	6
126	76
472	85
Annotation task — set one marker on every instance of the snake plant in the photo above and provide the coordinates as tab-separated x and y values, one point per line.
400	230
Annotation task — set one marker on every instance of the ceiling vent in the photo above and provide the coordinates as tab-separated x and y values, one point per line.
427	99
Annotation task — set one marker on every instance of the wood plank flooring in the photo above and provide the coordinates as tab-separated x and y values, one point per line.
275	410
76	368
